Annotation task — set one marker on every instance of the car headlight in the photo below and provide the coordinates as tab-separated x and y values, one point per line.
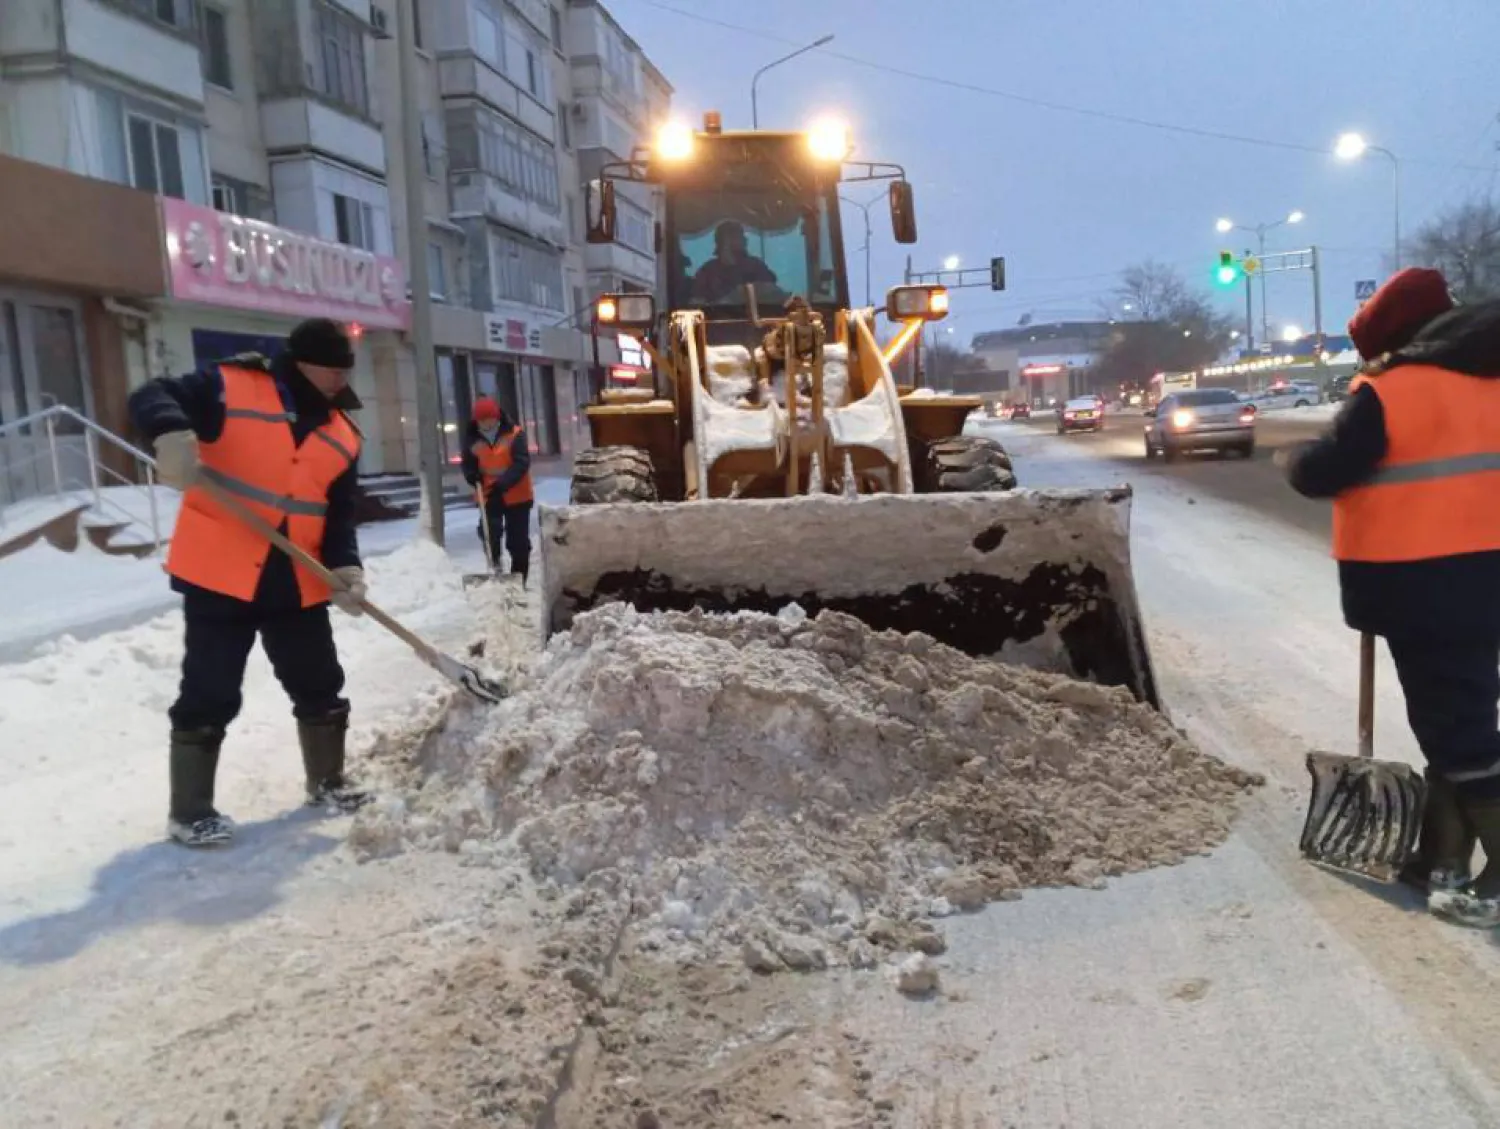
1182	419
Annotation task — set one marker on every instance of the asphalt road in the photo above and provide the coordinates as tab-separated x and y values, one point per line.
1255	482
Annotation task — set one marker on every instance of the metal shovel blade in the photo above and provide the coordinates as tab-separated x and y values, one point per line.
461	674
1363	816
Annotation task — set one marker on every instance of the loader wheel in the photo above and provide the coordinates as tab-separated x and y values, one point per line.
613	474
965	464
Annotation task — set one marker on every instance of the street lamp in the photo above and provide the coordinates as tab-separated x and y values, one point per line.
1292	333
755	78
1224	226
951	262
865	209
1351	147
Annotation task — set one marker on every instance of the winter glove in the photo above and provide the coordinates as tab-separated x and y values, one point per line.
348	600
177	459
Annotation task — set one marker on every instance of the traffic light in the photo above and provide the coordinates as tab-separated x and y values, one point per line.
997	273
1229	271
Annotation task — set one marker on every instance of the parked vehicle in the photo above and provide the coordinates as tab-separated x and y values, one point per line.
1292	394
1204	419
1085	413
1021	411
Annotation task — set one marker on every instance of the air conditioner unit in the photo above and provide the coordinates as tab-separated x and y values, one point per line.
578	111
379	21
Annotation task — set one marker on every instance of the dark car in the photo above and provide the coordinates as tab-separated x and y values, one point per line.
1083	414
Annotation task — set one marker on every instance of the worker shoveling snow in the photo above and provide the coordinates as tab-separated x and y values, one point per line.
806	792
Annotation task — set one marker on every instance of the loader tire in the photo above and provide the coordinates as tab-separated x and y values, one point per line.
613	474
965	464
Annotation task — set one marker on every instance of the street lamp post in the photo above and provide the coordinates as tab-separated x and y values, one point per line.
865	209
1259	231
1351	147
755	78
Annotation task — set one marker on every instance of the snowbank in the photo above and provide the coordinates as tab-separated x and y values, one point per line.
804	789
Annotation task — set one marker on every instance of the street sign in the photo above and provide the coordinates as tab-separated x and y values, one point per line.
1251	264
1365	289
997	273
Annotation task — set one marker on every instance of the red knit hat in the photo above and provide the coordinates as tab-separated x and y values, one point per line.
1409	300
485	408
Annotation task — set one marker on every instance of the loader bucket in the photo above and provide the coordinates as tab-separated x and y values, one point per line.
1040	578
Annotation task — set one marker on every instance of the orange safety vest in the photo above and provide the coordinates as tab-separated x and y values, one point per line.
494	460
257	460
1437	491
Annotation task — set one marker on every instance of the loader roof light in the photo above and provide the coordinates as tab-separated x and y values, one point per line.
628	311
920	303
830	140
674	141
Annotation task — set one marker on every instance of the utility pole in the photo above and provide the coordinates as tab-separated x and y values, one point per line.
429	411
1317	273
1249	312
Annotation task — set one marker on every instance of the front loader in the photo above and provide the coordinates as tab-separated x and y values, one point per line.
774	458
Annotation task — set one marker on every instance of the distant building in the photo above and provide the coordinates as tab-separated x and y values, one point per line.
1049	361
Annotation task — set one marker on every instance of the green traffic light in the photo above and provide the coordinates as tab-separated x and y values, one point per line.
1228	276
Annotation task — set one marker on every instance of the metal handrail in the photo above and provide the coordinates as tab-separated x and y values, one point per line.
47	420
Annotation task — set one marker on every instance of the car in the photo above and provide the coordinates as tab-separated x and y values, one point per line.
1338	389
1085	413
1021	411
1293	394
1200	419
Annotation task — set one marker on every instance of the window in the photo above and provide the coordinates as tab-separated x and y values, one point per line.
556	27
564	135
341	51
354	222
227	197
488	39
155	156
216	68
539	407
429	158
533	74
173	13
525	272
520	160
416	23
437	273
636	230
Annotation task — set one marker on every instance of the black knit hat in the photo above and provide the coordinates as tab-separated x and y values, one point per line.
322	342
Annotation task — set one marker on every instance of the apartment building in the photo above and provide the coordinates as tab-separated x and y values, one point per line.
270	131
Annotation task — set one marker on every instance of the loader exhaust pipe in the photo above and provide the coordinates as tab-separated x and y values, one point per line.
1039	578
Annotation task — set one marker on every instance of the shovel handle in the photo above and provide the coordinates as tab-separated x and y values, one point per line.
1366	695
307	560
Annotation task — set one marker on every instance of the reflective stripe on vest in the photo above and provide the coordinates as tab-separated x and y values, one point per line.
1436	492
258	460
495	459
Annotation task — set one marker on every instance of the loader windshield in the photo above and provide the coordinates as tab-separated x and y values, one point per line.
774	238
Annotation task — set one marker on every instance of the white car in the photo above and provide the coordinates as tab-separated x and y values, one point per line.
1294	394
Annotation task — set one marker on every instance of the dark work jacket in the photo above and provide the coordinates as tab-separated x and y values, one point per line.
195	403
520	458
1444	598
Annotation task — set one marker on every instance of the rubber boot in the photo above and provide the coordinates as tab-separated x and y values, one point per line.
1445	850
1478	904
193	763
521	568
323	743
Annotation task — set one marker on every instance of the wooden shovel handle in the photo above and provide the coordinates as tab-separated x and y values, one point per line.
317	567
1366	695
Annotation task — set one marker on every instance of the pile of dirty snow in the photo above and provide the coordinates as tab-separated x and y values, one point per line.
808	792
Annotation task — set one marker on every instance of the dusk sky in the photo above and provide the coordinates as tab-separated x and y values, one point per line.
1072	197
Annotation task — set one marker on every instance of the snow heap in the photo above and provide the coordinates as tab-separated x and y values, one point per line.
806	792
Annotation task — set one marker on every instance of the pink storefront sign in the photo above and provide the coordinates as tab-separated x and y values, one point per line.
222	260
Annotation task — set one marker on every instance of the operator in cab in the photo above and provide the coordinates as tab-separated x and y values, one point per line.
732	268
1410	463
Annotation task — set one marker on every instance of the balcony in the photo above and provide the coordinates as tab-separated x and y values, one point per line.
302	123
465	76
478	193
150	53
617	259
591	80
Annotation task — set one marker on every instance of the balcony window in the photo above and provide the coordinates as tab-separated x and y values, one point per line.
176	14
525	272
216	64
354	222
155	153
341	51
489	38
557	34
636	229
437	273
520	160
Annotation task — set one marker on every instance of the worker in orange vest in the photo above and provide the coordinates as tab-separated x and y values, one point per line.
497	461
276	435
1412	463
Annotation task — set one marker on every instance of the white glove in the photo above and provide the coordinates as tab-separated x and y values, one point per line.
177	459
348	600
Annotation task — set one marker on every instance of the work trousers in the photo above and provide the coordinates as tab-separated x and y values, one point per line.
1453	705
220	633
509	526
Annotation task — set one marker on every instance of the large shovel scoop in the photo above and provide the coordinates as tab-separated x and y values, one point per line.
1364	815
460	674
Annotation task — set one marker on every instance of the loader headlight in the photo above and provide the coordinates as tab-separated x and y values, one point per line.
923	303
674	141
628	311
829	139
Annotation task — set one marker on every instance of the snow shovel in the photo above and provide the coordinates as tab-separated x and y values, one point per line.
473	580
460	674
1364	815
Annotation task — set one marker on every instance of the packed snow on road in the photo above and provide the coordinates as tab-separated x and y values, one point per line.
737	871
